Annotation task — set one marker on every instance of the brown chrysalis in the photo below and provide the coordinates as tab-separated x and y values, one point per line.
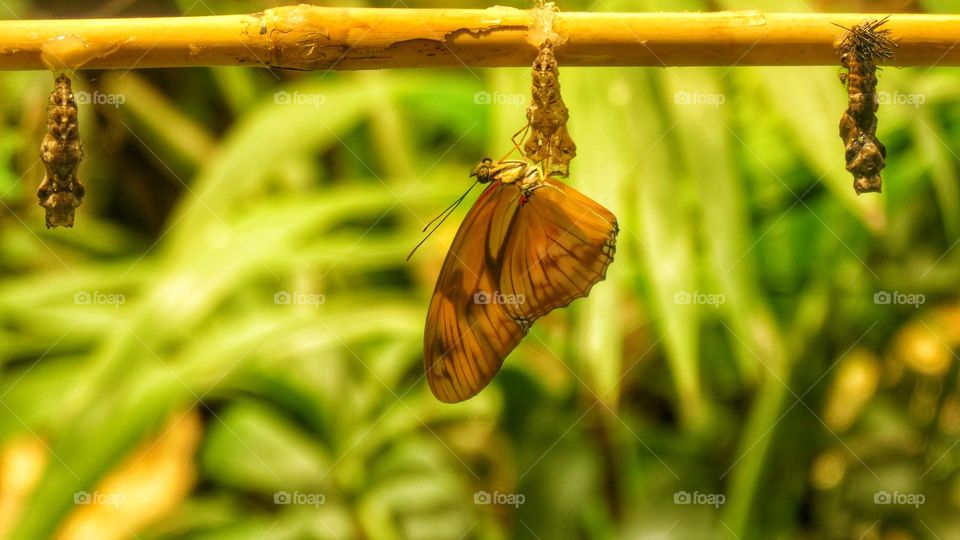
61	151
863	46
547	115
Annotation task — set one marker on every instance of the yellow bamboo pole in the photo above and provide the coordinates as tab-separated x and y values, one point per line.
320	38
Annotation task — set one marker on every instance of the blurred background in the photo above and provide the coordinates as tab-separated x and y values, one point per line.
228	344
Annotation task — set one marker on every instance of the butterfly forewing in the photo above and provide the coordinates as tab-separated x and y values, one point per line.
517	256
467	335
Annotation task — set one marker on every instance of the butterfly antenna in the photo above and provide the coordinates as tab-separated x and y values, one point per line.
442	217
448	209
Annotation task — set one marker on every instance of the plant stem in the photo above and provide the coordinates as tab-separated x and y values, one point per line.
322	38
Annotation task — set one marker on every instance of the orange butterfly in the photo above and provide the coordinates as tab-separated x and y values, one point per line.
530	244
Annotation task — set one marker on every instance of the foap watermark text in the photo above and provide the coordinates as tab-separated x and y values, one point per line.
897	298
900	98
99	98
504	499
296	298
710	499
696	298
97	298
299	98
699	98
499	98
96	497
898	498
299	498
497	297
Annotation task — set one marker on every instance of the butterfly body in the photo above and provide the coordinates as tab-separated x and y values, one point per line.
522	174
530	244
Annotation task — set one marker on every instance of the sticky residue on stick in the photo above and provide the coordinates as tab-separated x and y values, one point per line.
71	52
542	17
60	52
753	18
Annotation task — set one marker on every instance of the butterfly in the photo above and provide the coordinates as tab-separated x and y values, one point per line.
530	244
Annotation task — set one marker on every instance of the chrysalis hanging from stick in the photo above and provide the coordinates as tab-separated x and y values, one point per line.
61	152
861	49
548	142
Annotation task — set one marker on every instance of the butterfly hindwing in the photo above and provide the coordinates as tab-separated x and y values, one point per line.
562	246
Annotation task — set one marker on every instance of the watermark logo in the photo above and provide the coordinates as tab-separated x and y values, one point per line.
696	298
504	499
97	298
109	499
897	298
909	499
283	97
295	298
298	498
709	499
900	98
99	98
699	98
496	297
499	98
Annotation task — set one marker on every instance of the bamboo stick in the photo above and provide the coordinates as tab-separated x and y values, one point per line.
321	38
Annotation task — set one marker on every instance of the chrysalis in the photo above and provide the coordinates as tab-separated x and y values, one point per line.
548	142
861	49
61	152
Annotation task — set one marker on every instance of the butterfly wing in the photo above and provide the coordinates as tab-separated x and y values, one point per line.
562	246
468	335
537	256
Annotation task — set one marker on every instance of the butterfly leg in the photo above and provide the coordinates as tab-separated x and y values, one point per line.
518	136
